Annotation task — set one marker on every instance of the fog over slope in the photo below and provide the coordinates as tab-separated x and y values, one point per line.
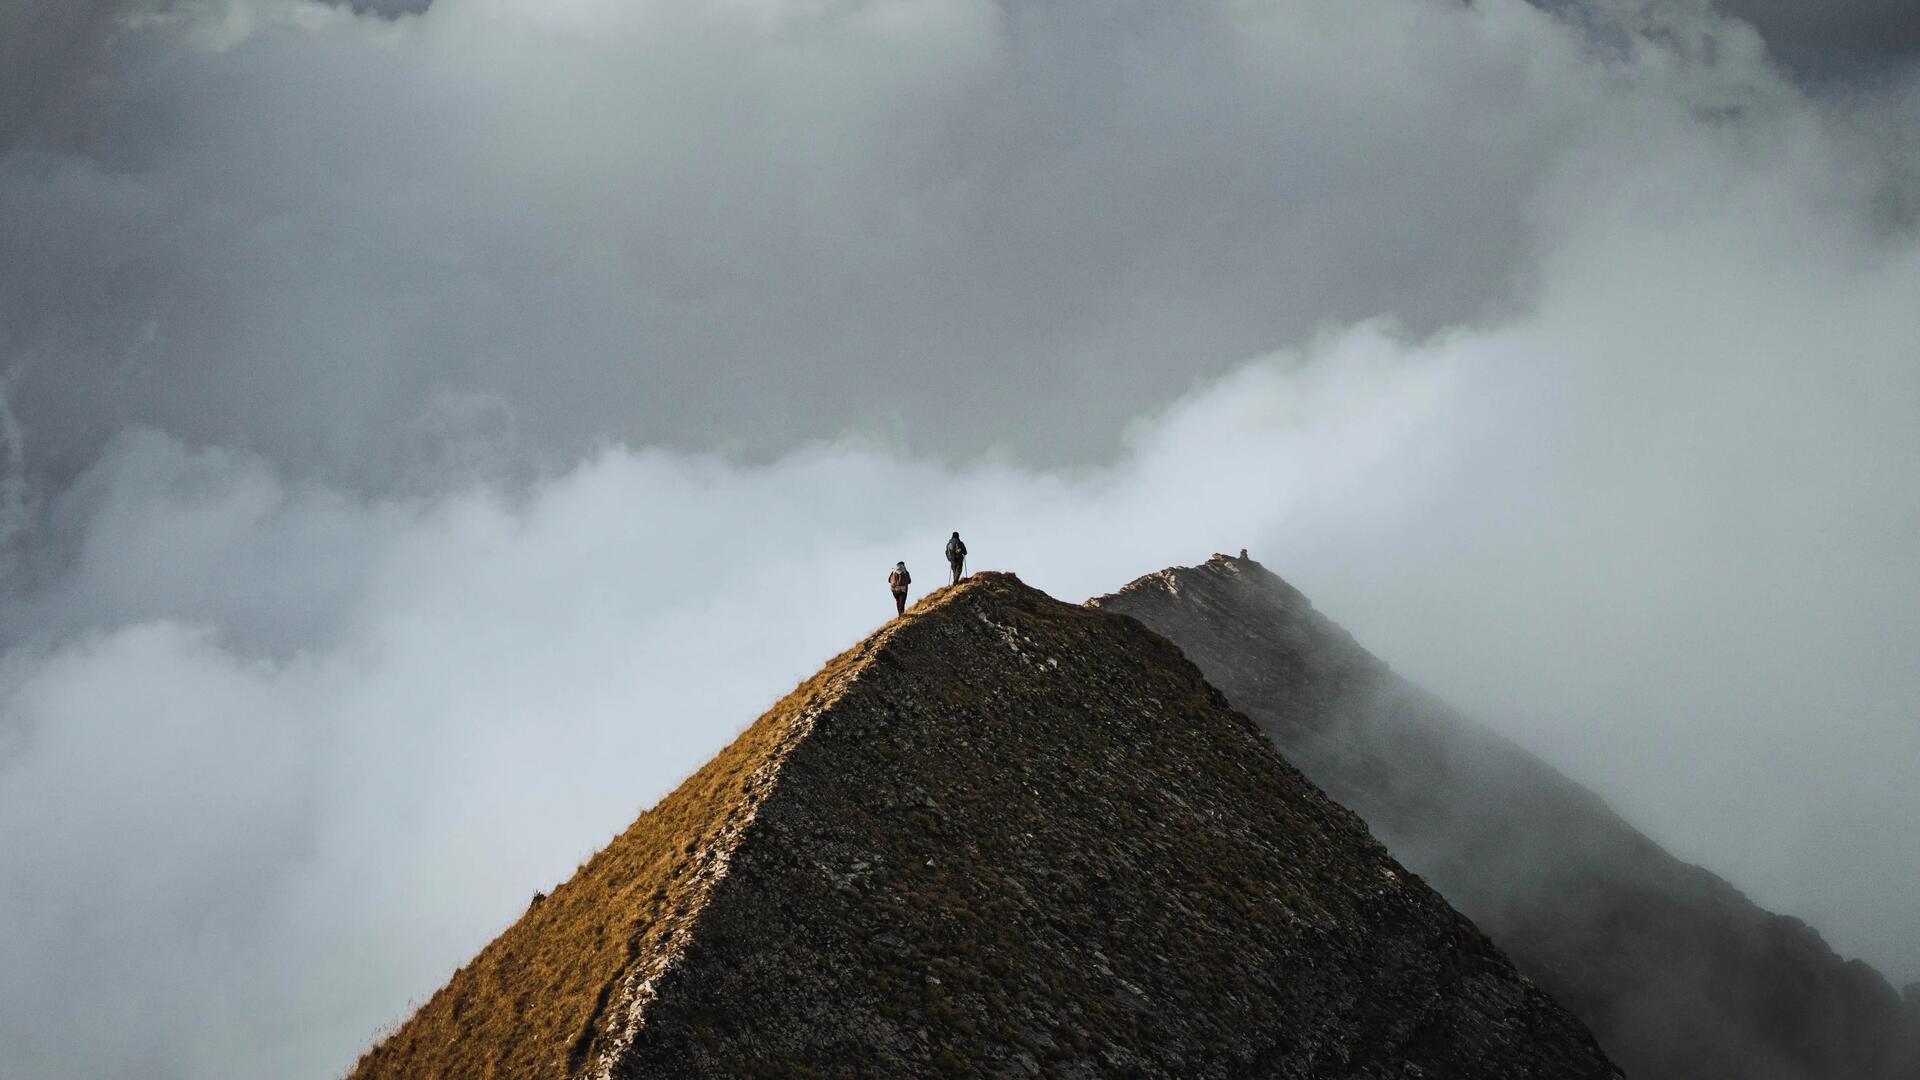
428	438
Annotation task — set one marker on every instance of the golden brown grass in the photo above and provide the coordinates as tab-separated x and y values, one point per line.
544	1000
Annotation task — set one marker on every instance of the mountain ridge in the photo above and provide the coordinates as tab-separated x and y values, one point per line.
1677	972
718	801
1003	836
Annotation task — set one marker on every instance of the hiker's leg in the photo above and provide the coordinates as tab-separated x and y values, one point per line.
900	603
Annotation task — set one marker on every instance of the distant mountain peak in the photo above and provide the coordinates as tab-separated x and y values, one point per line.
1678	974
1003	836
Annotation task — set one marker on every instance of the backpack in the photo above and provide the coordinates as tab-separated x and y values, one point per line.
899	579
956	549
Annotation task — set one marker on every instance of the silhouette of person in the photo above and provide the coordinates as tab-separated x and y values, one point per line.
898	579
957	558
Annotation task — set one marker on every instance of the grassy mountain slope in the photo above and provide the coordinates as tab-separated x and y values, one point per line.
1004	836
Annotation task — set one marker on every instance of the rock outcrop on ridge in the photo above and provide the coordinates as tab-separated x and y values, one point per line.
1679	975
1004	836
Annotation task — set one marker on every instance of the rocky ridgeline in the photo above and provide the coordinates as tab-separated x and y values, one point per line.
1679	975
1005	836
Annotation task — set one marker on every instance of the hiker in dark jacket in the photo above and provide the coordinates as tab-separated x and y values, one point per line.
957	557
898	580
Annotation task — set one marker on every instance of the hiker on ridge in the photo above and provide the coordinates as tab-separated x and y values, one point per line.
898	580
957	557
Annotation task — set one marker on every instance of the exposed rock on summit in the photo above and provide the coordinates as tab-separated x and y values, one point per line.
1679	975
1004	836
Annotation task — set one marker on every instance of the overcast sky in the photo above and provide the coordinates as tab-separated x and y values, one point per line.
426	438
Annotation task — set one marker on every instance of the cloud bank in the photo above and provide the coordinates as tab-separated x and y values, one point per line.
431	438
273	224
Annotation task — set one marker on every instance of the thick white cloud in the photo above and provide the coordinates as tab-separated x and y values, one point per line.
281	743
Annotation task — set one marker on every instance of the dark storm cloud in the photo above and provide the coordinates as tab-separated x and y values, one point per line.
709	228
386	7
43	45
1835	38
297	233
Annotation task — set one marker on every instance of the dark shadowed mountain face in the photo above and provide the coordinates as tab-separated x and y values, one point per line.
1004	836
1679	975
